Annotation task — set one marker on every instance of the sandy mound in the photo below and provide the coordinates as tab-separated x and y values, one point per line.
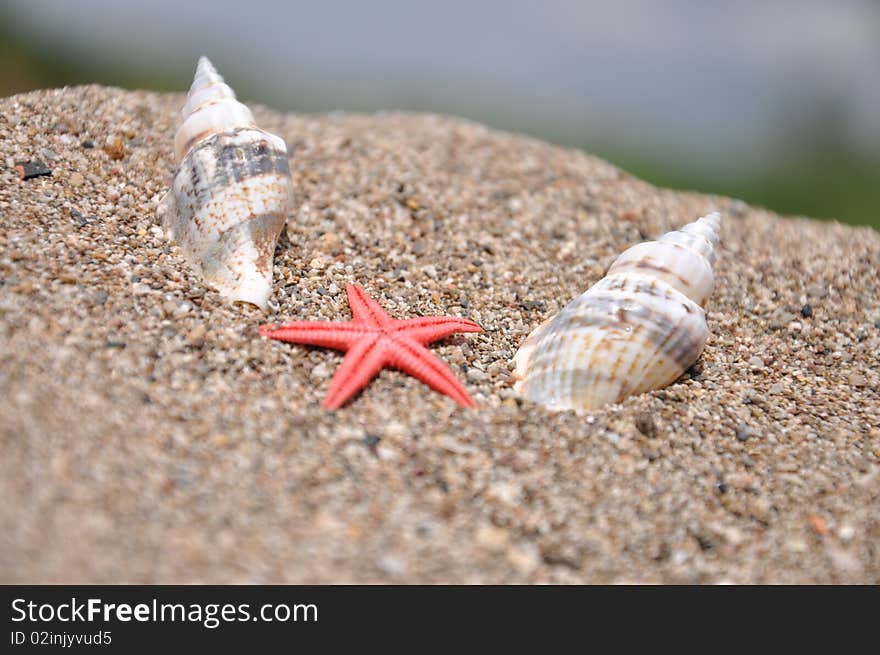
150	435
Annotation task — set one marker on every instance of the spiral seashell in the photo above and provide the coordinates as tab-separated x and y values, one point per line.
230	195
637	329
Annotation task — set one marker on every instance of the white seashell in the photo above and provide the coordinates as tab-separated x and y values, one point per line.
231	192
637	329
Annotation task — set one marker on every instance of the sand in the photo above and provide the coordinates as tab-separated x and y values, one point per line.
149	435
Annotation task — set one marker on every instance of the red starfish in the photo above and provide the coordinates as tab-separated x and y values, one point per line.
373	340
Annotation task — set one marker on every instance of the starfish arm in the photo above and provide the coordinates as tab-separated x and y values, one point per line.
413	358
428	329
361	364
364	309
339	336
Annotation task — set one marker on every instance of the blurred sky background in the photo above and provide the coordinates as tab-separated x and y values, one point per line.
776	102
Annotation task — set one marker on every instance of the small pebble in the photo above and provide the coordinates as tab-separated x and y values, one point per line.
532	305
819	525
28	170
371	441
475	374
322	371
744	432
858	380
196	336
613	437
817	291
114	148
645	424
846	532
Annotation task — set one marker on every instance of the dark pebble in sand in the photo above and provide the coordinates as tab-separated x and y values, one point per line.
651	454
371	441
530	305
30	169
807	310
645	424
80	218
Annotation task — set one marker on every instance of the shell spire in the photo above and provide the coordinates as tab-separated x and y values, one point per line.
231	190
682	258
210	106
637	329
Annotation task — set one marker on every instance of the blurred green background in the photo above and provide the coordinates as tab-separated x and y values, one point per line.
774	103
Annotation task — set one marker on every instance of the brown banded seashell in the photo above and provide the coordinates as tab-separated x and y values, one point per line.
637	329
231	192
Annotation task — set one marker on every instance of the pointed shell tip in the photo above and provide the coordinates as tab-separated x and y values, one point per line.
204	65
714	217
